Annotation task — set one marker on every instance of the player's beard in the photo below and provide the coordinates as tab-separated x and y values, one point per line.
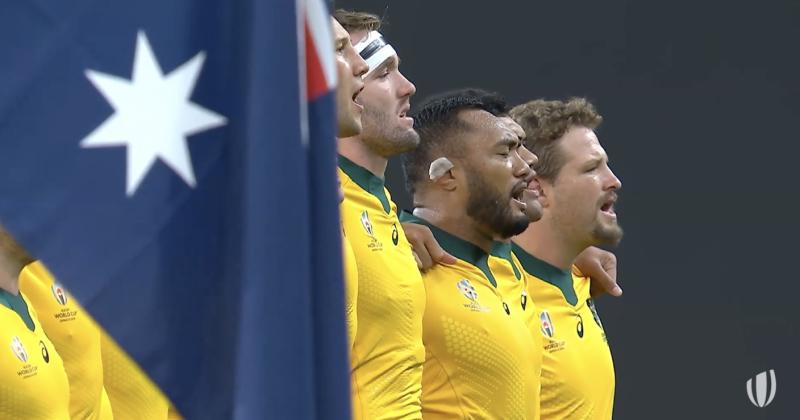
382	134
491	208
608	233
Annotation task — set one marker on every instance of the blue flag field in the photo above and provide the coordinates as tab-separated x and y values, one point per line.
173	163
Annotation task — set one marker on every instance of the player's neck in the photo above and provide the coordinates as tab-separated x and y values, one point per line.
9	282
355	150
548	245
457	224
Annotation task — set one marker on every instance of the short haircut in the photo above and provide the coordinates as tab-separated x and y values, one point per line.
545	122
438	125
357	21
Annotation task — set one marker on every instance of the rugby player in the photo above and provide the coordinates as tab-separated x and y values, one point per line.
481	360
576	191
33	382
387	354
350	68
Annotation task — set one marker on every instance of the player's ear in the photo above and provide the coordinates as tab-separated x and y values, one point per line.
441	174
545	191
449	180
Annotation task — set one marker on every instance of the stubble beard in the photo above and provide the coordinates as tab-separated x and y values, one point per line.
383	137
607	234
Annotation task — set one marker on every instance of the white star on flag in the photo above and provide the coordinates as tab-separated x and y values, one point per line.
153	115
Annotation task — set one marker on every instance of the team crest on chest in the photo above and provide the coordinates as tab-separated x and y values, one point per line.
468	290
19	349
59	293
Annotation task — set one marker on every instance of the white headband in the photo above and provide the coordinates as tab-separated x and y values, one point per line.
374	50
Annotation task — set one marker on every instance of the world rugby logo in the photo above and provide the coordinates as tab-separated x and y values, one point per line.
761	391
59	294
19	349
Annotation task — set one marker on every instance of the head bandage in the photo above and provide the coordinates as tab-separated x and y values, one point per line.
374	50
439	167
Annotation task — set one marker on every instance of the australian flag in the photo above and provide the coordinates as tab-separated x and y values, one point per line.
172	162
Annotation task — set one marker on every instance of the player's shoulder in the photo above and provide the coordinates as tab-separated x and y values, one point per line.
36	273
345	179
447	271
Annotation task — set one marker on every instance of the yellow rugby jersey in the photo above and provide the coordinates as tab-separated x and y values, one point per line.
33	383
350	302
479	355
351	291
174	414
133	395
577	369
387	355
513	286
75	336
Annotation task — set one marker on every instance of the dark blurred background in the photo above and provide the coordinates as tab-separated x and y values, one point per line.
701	111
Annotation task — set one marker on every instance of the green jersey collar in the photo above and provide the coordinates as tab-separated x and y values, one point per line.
503	250
457	247
366	180
548	273
18	305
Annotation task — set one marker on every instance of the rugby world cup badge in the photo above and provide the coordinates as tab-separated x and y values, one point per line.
468	290
19	349
366	223
374	244
59	293
547	324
